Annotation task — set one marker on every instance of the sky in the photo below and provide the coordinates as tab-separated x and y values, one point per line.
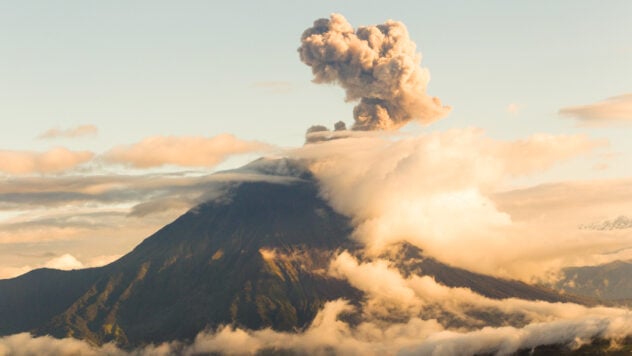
114	112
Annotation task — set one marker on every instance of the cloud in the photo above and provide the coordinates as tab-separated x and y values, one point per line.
571	203
64	262
52	161
377	65
330	335
79	131
25	344
614	110
437	191
181	151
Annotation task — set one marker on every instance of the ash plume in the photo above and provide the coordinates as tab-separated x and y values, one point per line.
377	66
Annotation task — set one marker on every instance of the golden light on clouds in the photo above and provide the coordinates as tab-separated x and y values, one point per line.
193	151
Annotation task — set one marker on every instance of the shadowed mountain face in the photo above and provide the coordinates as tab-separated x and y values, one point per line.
255	257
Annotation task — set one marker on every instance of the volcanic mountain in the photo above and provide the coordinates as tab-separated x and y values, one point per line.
254	256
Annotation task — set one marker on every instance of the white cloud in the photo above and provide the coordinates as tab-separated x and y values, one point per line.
64	262
437	192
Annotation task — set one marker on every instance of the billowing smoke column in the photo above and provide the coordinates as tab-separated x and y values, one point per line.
377	65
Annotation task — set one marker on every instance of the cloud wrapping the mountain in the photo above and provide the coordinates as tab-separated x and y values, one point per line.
614	110
52	161
436	191
377	65
194	151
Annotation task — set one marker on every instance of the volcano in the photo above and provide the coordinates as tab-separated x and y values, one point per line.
254	256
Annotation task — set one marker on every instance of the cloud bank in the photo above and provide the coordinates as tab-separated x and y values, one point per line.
329	335
376	65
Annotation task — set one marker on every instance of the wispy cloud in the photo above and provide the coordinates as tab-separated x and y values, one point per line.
614	110
79	131
52	161
188	151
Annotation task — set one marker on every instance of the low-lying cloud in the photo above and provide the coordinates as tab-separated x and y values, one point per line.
328	334
376	65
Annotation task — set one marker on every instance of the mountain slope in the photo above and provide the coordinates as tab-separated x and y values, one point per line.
608	282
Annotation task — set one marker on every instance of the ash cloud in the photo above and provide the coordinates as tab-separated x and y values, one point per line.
375	65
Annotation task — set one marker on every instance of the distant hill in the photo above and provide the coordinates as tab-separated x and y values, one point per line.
611	282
